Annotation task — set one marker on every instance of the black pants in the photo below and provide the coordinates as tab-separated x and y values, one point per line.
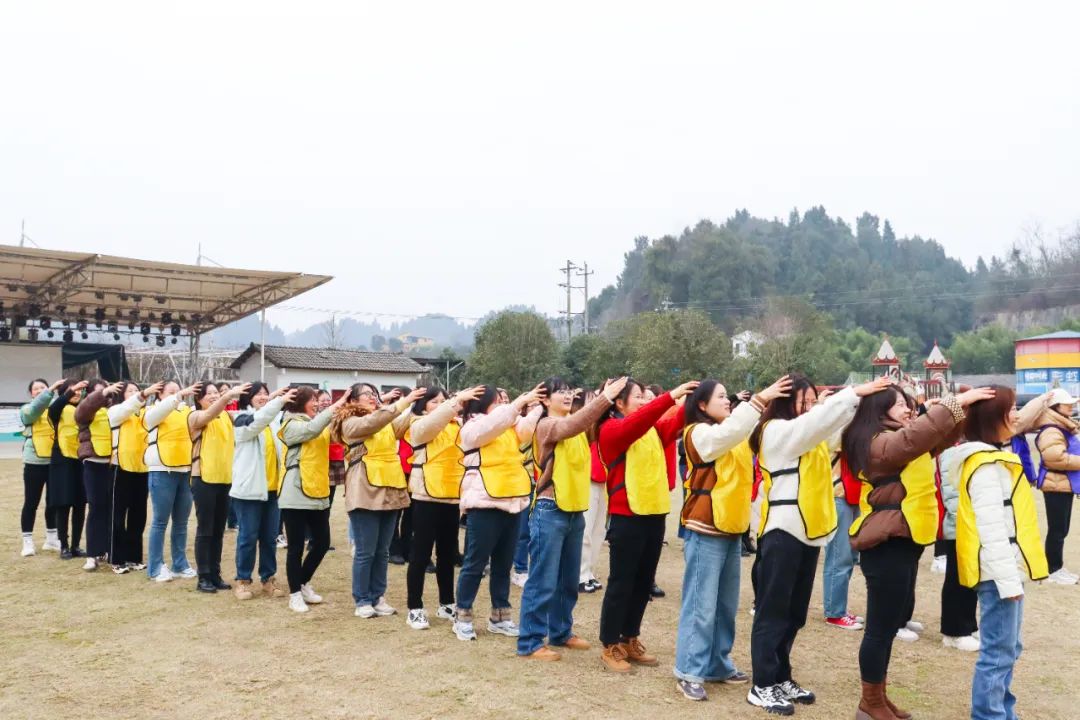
889	569
1058	517
77	514
98	479
958	603
129	517
211	512
785	579
635	544
401	543
435	526
298	523
35	480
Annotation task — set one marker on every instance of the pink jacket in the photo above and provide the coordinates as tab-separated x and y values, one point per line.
479	431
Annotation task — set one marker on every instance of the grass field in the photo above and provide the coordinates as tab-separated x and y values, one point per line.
97	645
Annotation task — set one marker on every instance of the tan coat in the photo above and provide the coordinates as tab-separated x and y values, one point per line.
359	493
1053	446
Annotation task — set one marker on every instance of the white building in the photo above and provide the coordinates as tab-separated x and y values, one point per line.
326	368
742	343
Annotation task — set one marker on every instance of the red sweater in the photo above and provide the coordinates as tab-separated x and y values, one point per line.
618	433
337	452
597	474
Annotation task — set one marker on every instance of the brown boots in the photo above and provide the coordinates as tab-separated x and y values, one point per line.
873	705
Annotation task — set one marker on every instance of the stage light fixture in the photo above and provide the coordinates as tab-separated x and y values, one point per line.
137	298
153	315
166	317
160	299
61	309
45	322
146	338
174	341
32	333
82	312
50	334
113	326
115	337
99	316
175	329
145	328
68	336
84	336
34	310
160	341
81	326
99	295
123	296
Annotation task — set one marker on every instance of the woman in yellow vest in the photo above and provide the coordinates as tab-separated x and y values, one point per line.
793	441
37	450
304	497
375	486
65	491
494	491
168	463
255	481
715	514
131	489
212	444
557	521
434	489
893	455
98	413
997	545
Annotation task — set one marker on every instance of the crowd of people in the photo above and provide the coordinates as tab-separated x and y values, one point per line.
870	473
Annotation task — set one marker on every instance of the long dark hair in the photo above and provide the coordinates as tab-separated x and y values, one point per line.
244	402
480	405
631	383
869	420
703	394
433	392
986	418
204	387
551	385
784	408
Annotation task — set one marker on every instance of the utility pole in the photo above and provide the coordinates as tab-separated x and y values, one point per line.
585	272
570	267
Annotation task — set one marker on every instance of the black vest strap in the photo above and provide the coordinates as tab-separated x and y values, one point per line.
778	503
617	461
700	491
885	506
1008	502
788	471
617	488
702	466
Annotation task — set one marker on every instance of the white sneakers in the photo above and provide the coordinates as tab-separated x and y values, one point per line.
383	609
309	595
52	541
504	627
28	546
938	566
418	620
90	565
967	643
282	542
915	627
1058	577
519	579
464	630
364	611
446	612
296	602
164	575
907	635
187	573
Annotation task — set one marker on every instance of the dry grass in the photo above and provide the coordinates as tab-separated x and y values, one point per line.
78	644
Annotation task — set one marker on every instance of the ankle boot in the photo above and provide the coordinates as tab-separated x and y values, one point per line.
872	705
902	714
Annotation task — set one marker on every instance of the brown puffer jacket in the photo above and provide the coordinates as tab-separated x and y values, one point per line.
1053	446
890	452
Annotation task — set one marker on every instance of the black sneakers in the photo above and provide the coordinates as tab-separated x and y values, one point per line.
692	690
771	699
657	591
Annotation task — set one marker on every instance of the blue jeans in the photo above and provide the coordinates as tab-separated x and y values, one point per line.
710	601
489	535
170	496
521	551
999	631
257	526
373	530
547	603
839	562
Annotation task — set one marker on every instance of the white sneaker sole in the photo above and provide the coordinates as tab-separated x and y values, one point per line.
516	632
420	626
464	636
385	613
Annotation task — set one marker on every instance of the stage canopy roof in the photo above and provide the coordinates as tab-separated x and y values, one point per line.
100	290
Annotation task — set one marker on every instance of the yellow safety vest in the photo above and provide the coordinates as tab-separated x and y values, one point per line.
815	497
42	436
131	444
101	434
216	446
502	467
570	473
173	439
382	464
313	463
1025	520
730	495
270	458
645	477
443	469
919	505
67	433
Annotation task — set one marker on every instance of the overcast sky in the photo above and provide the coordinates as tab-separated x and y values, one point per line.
449	157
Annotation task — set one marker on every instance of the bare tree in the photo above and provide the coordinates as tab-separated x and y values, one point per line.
333	332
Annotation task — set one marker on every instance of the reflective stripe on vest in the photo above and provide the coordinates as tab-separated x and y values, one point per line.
502	467
382	464
733	485
645	477
919	505
131	444
216	445
815	492
1025	520
442	469
173	439
101	434
67	433
312	460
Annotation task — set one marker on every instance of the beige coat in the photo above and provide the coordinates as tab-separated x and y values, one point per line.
359	493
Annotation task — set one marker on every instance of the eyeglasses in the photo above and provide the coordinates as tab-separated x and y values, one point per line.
366	393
